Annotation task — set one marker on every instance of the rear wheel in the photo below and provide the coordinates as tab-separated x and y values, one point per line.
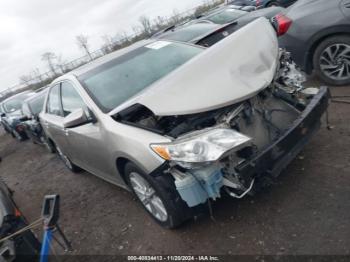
67	162
158	196
332	60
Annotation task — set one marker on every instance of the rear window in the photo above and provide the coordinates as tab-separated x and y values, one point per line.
218	35
226	16
116	81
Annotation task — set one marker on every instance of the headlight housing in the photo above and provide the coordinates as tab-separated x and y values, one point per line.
208	146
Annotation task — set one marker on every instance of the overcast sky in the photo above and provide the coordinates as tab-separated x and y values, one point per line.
28	28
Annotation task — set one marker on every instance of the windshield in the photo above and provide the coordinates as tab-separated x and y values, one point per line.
15	103
116	81
226	16
37	104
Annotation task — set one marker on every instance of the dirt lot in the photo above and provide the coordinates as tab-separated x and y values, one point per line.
306	212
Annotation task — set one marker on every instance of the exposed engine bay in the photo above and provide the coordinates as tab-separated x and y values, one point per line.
263	118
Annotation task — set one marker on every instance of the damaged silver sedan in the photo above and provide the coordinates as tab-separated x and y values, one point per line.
180	125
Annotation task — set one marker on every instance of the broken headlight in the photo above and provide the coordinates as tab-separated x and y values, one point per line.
207	146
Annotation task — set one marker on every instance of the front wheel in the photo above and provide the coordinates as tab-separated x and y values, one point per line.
332	60
67	162
158	196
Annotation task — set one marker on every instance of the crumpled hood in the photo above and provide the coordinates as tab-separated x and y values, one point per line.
229	72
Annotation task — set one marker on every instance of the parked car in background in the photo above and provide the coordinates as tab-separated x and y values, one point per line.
197	122
228	14
208	30
31	108
2	118
23	247
12	115
1	114
263	3
317	33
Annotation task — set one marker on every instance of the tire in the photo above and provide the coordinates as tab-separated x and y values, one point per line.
17	136
273	4
339	62
66	161
164	190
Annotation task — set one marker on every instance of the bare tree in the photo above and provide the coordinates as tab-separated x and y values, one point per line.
146	25
160	22
82	41
108	44
176	17
136	30
61	63
25	79
49	58
37	75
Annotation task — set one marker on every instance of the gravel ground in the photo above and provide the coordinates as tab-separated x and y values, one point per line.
306	212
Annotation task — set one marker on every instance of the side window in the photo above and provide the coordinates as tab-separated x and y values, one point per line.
54	103
71	100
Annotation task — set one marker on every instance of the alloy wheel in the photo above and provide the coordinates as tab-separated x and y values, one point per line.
148	197
335	61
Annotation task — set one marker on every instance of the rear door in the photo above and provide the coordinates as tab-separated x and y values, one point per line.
52	119
86	143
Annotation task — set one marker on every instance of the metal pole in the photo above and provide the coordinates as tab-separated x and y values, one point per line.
45	247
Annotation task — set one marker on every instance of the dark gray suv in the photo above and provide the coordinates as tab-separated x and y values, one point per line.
317	33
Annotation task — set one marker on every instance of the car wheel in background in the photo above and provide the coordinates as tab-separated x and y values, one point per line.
158	196
67	162
332	60
273	3
16	135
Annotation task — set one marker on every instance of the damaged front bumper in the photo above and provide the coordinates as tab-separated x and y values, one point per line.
278	155
198	185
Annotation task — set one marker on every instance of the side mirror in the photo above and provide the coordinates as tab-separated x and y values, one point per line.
3	115
76	118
